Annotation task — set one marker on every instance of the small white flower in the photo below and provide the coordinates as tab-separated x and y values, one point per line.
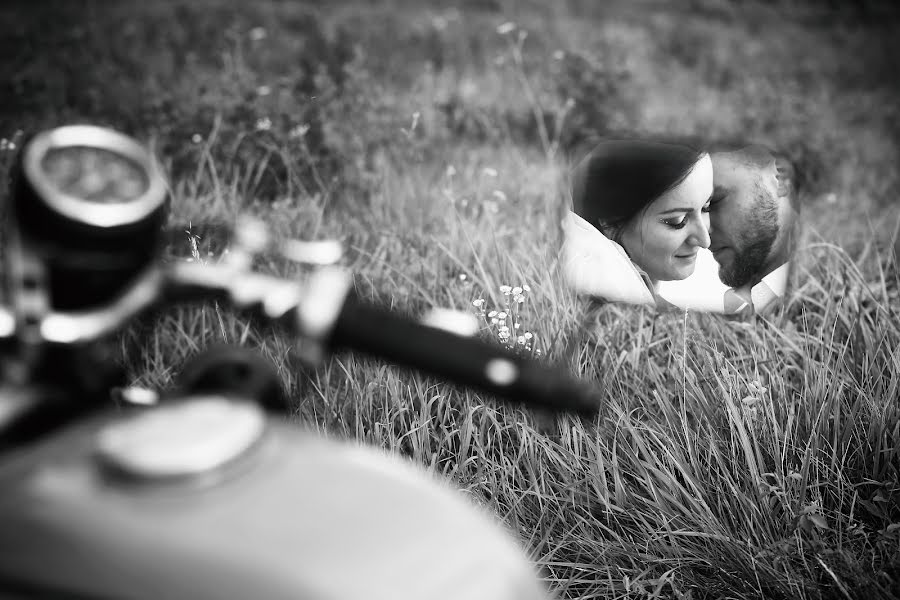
451	170
489	171
501	315
257	34
463	277
528	335
521	340
196	138
516	325
505	290
525	287
299	131
264	124
504	328
479	302
494	321
263	90
492	314
517	291
519	299
503	335
506	28
499	195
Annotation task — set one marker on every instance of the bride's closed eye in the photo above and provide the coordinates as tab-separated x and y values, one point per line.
680	222
676	223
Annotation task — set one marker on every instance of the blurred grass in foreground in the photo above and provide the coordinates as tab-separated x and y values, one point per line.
740	460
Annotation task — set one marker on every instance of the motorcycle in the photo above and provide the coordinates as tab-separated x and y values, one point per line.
209	494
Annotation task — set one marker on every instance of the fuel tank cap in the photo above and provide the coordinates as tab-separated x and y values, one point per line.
185	439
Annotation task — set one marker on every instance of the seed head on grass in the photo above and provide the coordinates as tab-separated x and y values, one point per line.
195	256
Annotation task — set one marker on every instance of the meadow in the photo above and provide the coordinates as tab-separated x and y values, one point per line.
732	459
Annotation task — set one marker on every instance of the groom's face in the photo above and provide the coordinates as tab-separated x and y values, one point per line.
743	218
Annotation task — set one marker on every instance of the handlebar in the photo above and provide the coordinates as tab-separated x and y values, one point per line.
327	317
461	359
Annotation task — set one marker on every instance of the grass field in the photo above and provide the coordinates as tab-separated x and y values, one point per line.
733	459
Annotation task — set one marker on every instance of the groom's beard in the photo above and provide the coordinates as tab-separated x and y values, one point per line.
756	244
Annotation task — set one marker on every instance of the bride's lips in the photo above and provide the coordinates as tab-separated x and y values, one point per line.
687	256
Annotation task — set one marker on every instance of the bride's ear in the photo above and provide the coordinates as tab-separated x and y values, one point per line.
784	176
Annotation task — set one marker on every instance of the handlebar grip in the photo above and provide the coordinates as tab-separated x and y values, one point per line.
465	360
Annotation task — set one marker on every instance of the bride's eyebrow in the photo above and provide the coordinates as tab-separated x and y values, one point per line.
675	210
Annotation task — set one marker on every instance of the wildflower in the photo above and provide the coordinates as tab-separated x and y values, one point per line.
521	340
463	277
451	170
298	131
501	315
505	290
516	325
263	90
505	28
257	34
492	314
525	287
517	291
489	171
264	124
196	138
529	335
479	302
499	195
494	320
519	298
503	335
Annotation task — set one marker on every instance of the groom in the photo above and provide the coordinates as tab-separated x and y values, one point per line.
753	216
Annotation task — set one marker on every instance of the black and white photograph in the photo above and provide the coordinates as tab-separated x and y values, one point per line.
442	300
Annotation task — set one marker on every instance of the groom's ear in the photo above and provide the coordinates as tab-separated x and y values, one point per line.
784	176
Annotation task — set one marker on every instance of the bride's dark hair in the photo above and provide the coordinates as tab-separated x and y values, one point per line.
620	178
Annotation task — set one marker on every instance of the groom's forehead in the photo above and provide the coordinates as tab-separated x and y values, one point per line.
733	170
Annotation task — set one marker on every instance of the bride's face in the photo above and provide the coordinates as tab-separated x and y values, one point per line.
664	239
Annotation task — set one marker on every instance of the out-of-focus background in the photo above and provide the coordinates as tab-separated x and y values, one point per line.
734	459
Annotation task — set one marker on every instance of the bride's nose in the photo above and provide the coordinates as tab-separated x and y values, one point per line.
699	236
